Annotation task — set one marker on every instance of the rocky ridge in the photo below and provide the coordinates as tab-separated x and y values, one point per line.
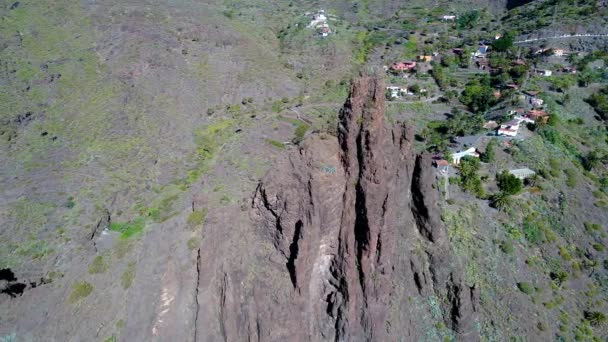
339	209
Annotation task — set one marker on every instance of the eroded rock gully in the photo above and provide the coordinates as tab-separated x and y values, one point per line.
356	222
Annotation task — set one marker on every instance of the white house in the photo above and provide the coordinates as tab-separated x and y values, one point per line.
481	52
536	102
509	129
558	52
448	17
472	152
522	173
394	91
543	72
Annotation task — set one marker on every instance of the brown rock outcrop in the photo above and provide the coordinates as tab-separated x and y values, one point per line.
336	210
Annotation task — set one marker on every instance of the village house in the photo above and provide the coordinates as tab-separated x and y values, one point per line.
448	18
319	23
518	111
522	173
490	124
403	66
471	152
481	51
396	92
545	72
558	52
509	128
539	116
442	165
536	102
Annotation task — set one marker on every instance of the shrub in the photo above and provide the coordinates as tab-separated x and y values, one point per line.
592	227
126	279
599	102
197	217
506	247
533	233
300	131
192	243
559	277
80	290
70	203
596	318
598	247
275	143
525	287
571	178
129	229
98	265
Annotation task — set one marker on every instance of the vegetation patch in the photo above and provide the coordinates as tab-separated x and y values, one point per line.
126	279
129	229
80	290
197	217
98	265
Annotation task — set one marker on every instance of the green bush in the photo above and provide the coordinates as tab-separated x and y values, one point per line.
126	279
571	178
197	217
506	247
300	131
192	243
128	229
275	143
599	102
595	318
98	265
525	287
598	247
80	290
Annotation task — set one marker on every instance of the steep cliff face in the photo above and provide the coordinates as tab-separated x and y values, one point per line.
356	221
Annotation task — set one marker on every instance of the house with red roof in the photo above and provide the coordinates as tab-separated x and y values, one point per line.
403	66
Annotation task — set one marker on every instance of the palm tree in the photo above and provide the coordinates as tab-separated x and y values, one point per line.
500	201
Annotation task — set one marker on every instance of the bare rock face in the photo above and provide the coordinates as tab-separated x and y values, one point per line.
349	215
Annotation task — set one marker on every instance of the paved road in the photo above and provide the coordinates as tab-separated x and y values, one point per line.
565	36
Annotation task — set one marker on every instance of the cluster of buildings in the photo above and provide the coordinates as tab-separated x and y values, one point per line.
511	127
319	22
395	92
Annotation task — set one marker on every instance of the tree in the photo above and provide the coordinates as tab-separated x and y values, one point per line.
503	43
469	179
561	83
415	88
508	183
489	154
478	95
599	102
468	19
